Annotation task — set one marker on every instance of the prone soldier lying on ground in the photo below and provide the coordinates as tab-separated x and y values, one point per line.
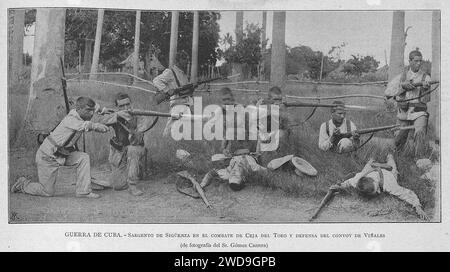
373	180
241	162
58	149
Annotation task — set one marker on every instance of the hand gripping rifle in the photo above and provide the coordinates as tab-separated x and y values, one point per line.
339	136
183	91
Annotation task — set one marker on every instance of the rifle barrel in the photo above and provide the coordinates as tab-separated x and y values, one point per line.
375	129
150	113
307	104
324	201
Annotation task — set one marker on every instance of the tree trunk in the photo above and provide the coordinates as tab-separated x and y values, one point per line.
17	21
46	102
87	55
278	59
98	40
194	67
137	35
239	26
396	61
263	46
173	38
436	71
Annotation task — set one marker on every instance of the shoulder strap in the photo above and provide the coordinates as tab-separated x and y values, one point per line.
349	127
403	77
424	75
53	142
176	78
327	128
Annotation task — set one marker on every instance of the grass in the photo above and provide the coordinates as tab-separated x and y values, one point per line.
332	167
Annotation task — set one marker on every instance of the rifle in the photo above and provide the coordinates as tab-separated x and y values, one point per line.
183	91
420	84
304	104
64	86
324	201
340	136
196	185
163	114
41	136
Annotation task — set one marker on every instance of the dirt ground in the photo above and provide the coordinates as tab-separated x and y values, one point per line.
162	203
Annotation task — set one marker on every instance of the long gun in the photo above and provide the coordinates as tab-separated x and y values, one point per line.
66	99
340	136
418	84
185	90
304	104
164	114
64	86
197	187
324	202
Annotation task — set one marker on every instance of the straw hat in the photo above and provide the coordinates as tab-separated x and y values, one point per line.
303	167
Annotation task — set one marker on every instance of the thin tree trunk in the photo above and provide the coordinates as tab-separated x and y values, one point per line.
194	66
396	61
278	60
87	55
137	36
239	26
436	71
173	37
98	40
16	45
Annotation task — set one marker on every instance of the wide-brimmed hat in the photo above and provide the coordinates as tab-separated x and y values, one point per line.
303	166
277	163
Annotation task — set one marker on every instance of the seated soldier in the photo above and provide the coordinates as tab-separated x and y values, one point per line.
127	146
58	149
372	181
239	164
330	130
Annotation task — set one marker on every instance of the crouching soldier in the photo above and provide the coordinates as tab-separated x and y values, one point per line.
373	180
127	149
329	139
240	160
58	149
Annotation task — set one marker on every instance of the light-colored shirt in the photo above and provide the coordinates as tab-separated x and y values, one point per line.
390	185
394	88
166	81
325	139
72	123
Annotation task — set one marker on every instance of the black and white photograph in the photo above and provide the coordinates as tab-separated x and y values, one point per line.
223	116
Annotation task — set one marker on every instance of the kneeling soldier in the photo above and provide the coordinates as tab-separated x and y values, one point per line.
58	149
127	146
